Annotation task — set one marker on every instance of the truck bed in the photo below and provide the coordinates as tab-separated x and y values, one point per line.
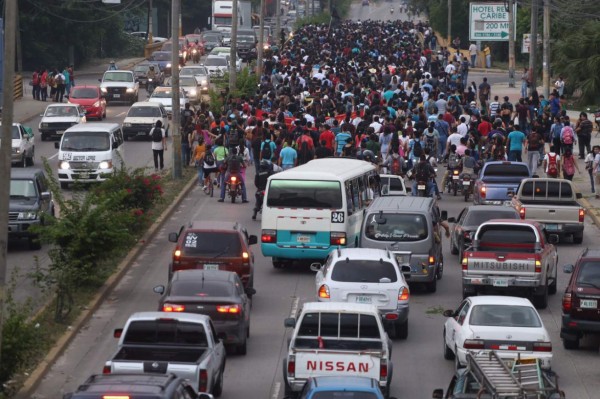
167	354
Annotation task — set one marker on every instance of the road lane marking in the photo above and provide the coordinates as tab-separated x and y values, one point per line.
275	390
121	114
294	309
53	156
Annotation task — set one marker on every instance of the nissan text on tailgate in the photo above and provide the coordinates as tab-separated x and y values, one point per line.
337	339
498	181
511	256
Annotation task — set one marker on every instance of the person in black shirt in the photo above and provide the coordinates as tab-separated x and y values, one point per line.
322	151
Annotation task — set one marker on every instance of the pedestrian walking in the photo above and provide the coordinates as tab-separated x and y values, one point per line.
533	144
589	166
524	82
473	54
44	84
584	128
67	76
159	146
35	84
569	165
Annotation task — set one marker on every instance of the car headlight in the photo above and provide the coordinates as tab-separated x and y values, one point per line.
169	65
96	104
130	90
127	124
105	165
44	124
194	51
64	165
16	150
103	89
193	92
29	215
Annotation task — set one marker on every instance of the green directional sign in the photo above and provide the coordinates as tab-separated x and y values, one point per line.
489	21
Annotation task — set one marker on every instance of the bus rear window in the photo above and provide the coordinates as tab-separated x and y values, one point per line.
304	194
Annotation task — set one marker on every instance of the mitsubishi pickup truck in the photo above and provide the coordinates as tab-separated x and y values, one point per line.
184	344
498	181
552	203
337	339
511	256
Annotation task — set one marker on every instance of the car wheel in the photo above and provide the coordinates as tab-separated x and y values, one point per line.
23	162
43	137
453	248
277	264
401	330
577	238
540	301
571	343
29	161
432	286
448	354
243	348
217	390
35	243
552	287
461	253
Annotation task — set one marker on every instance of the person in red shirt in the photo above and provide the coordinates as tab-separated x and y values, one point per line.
448	117
327	136
485	127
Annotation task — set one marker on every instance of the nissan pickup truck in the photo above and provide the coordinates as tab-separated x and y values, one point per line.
511	256
552	203
498	181
337	339
184	344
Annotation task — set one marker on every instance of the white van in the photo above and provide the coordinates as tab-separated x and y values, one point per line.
89	152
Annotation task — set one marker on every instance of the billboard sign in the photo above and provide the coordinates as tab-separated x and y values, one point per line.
489	21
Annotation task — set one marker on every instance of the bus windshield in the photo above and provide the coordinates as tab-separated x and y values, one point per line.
304	194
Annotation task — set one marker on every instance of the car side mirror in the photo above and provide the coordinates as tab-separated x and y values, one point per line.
568	269
99	80
290	322
222	336
252	240
45	195
250	291
315	267
117	332
159	289
578	195
57	145
438	393
173	237
115	144
553	238
449	313
444	215
452	220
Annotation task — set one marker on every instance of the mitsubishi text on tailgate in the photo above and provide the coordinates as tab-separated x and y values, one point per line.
498	181
511	255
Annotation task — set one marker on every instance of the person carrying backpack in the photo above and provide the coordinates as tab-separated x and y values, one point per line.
432	138
416	148
569	165
423	172
394	162
234	163
551	163
159	146
567	136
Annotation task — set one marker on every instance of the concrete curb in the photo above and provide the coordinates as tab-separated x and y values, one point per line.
590	211
40	371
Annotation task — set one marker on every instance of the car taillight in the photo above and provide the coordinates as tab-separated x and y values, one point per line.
404	294
203	383
455	172
538	265
522	213
324	292
269	236
233	179
291	366
465	263
567	302
542	346
467	235
383	370
431	260
229	309
177	253
245	256
474	344
581	214
337	238
171	307
482	192
106	369
115	397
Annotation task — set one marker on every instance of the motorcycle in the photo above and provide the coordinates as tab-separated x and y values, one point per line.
452	183
195	56
421	188
467	186
260	197
391	10
233	187
150	86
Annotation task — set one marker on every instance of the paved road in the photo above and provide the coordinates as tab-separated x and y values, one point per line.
419	365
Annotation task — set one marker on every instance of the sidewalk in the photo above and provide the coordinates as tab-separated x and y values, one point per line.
27	108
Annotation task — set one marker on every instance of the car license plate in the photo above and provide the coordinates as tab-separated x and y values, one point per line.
501	282
141	133
302	238
466	183
421	187
363	299
454	177
588	303
551	227
84	175
211	266
116	95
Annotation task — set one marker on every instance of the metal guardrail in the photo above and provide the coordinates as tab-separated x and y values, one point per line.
18	90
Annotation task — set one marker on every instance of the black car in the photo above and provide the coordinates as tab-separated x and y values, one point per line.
216	293
136	386
470	218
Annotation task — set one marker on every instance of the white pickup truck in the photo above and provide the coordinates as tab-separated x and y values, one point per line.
184	344
337	339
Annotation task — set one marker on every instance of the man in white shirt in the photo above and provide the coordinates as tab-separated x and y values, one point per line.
454	138
450	68
376	125
462	128
473	54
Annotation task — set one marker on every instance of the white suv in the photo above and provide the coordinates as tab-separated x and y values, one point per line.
371	276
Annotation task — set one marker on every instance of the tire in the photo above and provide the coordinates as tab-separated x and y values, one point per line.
571	344
467	194
540	301
44	137
577	238
30	161
233	199
432	286
277	264
23	162
401	330
35	243
448	354
242	349
461	253
552	286
217	390
287	390
440	270
454	189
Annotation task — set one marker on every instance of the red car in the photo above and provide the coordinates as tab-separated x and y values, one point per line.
91	99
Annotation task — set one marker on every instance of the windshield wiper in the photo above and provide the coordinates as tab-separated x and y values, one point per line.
588	283
222	252
91	149
18	196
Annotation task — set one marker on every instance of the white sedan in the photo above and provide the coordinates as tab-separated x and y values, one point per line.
192	86
163	95
510	326
365	275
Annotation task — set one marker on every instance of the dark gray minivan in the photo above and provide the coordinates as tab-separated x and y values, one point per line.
410	228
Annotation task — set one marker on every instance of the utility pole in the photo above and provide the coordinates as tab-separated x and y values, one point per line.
546	50
175	101
233	50
8	77
19	47
449	23
533	45
150	27
261	39
511	44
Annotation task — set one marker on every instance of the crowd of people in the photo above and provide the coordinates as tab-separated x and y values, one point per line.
51	84
375	90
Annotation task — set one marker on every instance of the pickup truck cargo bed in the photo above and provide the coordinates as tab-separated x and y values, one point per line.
179	355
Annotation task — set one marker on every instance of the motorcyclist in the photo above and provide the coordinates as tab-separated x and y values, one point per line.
234	168
265	169
392	10
468	165
151	74
195	52
423	171
112	66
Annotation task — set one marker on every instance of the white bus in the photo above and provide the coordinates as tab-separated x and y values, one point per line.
313	208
